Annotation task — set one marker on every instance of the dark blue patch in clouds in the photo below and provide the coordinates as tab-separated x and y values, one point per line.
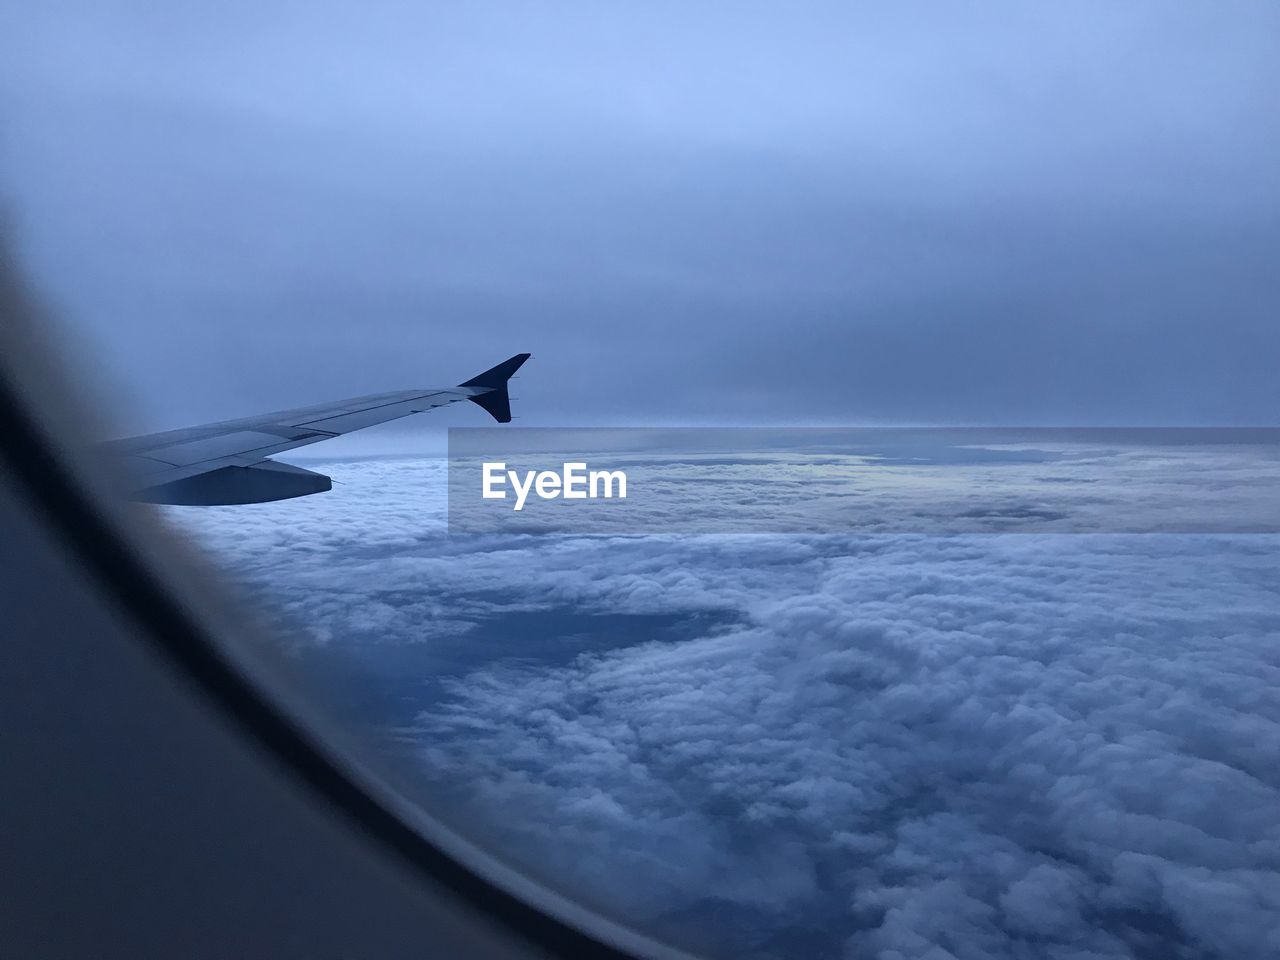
390	683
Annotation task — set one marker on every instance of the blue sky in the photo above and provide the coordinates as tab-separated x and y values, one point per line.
1045	213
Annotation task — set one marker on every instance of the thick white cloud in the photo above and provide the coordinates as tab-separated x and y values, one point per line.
1006	746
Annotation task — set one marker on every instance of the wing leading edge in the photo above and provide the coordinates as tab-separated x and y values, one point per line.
227	463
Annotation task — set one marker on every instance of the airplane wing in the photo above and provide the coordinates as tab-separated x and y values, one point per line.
228	462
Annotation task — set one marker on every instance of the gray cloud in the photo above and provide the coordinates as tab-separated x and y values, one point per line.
1061	214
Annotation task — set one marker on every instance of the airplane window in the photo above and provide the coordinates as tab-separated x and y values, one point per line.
794	483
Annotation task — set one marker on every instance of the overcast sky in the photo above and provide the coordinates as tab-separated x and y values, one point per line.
689	213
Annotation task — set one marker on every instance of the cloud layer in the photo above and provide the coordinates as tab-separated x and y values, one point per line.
887	480
886	746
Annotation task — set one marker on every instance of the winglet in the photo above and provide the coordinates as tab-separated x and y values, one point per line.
497	401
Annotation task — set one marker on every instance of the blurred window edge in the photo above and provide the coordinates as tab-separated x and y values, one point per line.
174	602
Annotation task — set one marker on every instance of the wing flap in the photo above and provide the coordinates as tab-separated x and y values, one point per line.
237	443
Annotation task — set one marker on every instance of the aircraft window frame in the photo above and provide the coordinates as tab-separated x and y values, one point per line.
45	451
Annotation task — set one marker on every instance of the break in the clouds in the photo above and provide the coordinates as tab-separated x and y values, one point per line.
817	212
887	746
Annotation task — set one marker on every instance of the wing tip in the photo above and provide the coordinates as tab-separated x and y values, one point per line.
497	402
497	376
